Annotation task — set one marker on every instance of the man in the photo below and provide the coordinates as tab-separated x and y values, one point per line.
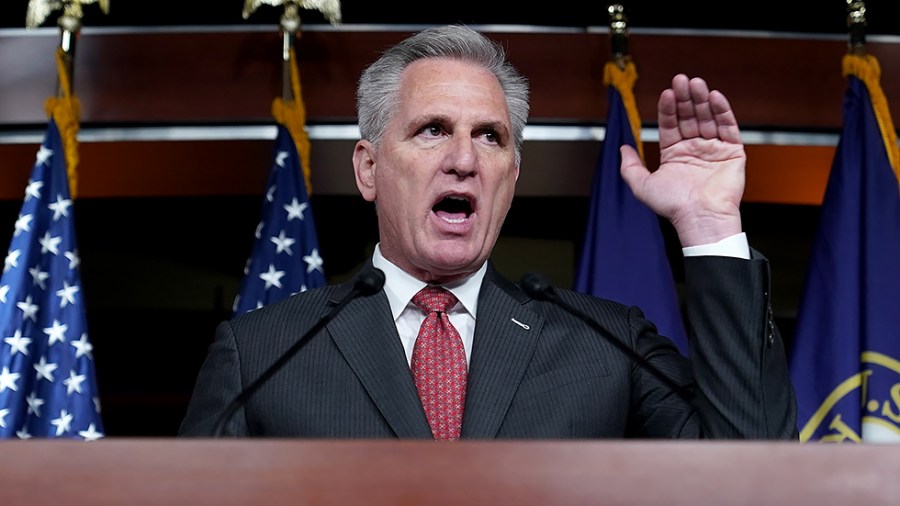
441	117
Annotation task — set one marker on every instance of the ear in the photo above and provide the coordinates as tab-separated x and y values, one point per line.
364	169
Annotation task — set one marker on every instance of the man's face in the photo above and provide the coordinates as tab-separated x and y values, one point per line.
444	173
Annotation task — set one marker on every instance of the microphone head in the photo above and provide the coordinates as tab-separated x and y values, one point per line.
537	285
370	281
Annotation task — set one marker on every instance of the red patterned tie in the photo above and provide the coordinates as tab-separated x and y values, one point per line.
439	364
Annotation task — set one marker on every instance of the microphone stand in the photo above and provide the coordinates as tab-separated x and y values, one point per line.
368	283
538	287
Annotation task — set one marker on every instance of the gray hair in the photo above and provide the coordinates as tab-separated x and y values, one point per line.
379	87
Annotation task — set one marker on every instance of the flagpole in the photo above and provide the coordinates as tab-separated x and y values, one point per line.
856	22
618	34
69	26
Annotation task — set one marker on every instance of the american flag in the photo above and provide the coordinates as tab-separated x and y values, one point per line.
48	385
285	258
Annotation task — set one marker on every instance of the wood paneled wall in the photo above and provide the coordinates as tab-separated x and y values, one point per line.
229	77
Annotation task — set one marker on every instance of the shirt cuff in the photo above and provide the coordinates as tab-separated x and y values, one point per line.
733	246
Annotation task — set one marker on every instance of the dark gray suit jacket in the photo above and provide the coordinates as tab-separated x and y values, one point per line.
557	378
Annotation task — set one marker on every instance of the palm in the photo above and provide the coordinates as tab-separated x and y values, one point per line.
700	181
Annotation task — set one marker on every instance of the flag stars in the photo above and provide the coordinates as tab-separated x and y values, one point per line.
23	224
34	404
8	380
280	158
38	276
29	310
56	332
73	382
67	294
4	289
83	347
272	277
33	190
43	154
49	243
90	434
283	243
12	260
74	259
313	261
270	193
63	423
259	227
17	343
60	208
295	209
45	370
3	413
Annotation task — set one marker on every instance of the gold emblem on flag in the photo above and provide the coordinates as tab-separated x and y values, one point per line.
879	410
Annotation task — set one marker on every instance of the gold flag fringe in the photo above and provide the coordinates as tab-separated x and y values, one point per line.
867	69
65	111
623	81
292	114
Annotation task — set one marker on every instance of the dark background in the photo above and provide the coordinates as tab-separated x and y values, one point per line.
805	16
147	351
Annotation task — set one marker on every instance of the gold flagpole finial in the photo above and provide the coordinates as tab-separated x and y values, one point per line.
70	20
330	8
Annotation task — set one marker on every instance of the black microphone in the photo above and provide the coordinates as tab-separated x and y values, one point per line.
539	287
369	282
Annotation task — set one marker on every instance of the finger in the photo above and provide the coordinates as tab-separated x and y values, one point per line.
687	116
726	122
706	120
669	133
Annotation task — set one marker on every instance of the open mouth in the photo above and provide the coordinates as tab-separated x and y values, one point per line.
454	208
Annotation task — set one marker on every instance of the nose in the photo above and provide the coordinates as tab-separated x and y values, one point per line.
461	156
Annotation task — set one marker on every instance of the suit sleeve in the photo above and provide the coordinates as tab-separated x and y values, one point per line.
218	383
738	360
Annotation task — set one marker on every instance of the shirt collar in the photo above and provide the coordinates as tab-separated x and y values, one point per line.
400	286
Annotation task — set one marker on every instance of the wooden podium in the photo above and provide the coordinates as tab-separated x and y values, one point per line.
301	472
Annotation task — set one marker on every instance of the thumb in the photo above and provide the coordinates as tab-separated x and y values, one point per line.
632	169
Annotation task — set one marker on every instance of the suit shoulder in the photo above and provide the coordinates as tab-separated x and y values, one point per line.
309	303
590	301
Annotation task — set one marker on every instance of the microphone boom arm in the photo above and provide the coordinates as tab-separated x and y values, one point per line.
368	283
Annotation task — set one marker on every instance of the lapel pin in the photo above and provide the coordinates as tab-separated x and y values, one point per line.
523	325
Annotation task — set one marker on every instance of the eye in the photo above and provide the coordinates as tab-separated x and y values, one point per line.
491	136
432	130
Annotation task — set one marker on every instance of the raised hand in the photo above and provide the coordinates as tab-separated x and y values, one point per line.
700	180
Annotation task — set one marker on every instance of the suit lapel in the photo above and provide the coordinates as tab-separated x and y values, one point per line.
505	337
366	335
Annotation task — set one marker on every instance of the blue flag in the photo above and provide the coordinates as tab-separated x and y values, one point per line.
47	381
845	363
623	256
285	258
